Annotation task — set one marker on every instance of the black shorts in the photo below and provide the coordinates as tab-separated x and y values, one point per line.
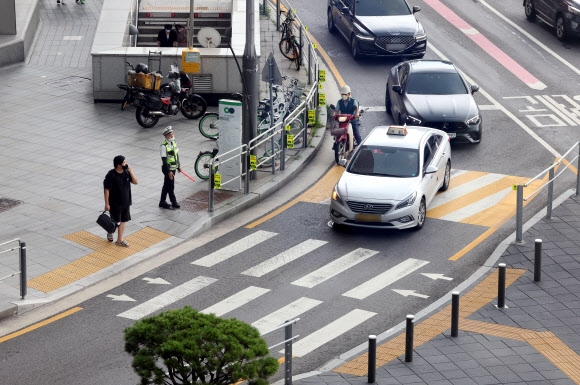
120	214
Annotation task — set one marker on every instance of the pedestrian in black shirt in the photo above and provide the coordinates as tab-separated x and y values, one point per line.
167	37
117	186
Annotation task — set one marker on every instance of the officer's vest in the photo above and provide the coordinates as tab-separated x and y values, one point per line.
172	156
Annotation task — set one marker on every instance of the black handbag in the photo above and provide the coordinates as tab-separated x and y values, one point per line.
107	223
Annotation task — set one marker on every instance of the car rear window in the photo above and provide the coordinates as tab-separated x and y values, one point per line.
381	8
386	161
422	83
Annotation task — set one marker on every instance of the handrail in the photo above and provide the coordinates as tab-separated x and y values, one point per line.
281	326
22	264
289	338
239	151
552	166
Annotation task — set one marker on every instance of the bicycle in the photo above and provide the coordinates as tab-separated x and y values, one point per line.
289	45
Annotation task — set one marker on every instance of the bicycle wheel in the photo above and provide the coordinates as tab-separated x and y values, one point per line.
297	56
209	125
202	164
268	154
296	130
286	47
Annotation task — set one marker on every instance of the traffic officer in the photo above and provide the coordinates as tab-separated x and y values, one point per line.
170	159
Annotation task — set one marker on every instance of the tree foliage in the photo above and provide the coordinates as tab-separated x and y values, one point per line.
186	347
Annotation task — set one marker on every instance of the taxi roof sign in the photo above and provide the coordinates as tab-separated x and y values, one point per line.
397	130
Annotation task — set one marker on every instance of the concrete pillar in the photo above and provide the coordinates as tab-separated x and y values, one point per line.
8	17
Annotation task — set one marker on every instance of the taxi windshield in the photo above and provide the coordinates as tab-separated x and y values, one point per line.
386	161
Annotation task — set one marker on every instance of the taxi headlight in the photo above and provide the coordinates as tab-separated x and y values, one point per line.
473	120
336	196
408	201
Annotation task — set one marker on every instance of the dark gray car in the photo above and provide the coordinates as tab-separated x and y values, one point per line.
563	15
432	93
378	27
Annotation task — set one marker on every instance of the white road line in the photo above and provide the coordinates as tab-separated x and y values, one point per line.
466	188
488	107
385	279
235	248
335	267
235	301
374	109
288	312
559	109
284	258
476	207
329	332
456	173
167	298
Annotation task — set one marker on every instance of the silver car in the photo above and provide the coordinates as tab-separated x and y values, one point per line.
392	178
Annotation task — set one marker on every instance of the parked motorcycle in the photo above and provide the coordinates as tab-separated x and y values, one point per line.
172	98
341	130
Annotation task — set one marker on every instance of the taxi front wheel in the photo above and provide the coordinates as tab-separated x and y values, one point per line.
421	214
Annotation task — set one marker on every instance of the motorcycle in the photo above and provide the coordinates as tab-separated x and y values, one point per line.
172	98
343	135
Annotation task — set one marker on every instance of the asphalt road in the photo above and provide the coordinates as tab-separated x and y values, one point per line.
525	129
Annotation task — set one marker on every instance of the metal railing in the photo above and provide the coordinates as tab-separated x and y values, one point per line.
22	263
288	339
550	184
215	162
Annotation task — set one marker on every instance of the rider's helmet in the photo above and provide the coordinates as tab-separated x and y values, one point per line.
142	68
345	89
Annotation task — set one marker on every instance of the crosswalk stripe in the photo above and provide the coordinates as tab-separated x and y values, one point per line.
167	298
284	258
329	332
235	248
456	192
476	207
235	301
385	279
286	313
335	267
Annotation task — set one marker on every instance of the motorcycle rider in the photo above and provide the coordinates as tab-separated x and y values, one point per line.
170	159
349	105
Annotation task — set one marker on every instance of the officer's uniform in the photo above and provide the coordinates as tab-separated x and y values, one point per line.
170	159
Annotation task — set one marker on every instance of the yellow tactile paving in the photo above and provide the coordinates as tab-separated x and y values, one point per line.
318	193
105	254
431	327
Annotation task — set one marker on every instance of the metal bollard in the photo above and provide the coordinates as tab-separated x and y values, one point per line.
22	269
455	314
288	355
519	214
538	260
501	287
372	359
409	339
550	194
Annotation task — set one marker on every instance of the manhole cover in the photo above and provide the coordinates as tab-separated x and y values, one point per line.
69	81
6	203
199	201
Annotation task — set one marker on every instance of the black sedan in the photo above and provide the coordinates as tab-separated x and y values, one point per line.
378	27
432	93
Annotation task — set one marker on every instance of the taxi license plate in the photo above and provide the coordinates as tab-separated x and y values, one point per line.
367	218
452	134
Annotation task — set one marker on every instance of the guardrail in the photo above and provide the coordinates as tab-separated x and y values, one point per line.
550	184
287	347
22	263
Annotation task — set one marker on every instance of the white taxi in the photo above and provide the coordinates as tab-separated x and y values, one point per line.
392	178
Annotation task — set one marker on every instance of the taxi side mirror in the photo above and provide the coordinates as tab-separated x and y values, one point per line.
474	88
431	169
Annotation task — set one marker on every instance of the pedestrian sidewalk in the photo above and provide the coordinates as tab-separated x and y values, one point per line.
58	145
535	339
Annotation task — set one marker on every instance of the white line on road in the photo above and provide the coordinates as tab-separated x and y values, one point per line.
334	268
235	248
385	279
329	332
288	312
284	258
235	301
167	298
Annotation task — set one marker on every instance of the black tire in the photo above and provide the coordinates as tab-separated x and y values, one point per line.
298	57
202	164
561	28
339	151
354	49
144	119
330	22
388	101
193	107
286	47
447	177
421	215
530	10
209	125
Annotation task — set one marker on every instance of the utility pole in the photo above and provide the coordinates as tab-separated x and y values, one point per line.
190	26
250	76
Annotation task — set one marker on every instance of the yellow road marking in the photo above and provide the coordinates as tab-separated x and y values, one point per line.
472	244
475	299
40	324
105	254
315	194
